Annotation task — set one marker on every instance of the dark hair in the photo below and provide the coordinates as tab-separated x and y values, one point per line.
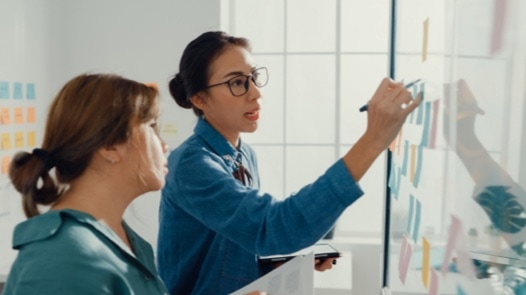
195	65
91	111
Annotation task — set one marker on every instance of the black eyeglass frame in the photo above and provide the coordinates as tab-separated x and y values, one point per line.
246	84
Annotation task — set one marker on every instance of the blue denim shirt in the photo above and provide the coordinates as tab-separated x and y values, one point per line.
212	227
69	252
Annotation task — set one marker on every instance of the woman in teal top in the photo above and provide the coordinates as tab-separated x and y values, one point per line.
101	138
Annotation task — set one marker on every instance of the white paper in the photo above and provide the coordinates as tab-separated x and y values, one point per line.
295	277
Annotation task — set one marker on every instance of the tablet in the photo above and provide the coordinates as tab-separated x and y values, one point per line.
321	251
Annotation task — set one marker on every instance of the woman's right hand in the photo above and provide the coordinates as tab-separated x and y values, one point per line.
387	112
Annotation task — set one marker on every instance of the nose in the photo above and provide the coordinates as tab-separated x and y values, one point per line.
253	91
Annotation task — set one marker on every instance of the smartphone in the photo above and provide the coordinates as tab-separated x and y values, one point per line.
321	251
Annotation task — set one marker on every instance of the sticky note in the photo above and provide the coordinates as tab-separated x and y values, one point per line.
19	116
426	126
419	163
4	90
499	17
405	257
405	157
5	118
425	262
411	212
30	91
31	115
19	140
5	164
413	163
424	39
416	227
433	289
17	90
6	141
432	137
460	291
31	139
457	242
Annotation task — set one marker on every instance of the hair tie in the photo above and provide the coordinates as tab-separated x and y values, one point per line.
47	158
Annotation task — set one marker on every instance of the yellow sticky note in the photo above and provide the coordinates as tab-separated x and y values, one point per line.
5	164
425	262
19	140
19	116
424	40
169	131
4	116
31	139
6	141
31	115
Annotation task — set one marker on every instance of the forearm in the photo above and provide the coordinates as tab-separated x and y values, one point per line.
361	156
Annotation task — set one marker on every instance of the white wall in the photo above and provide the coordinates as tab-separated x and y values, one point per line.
49	42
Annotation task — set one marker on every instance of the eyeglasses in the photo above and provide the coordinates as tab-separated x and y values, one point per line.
238	85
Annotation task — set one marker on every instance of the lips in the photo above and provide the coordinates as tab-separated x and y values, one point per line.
252	115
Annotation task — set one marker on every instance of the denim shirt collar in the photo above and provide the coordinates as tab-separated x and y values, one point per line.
218	142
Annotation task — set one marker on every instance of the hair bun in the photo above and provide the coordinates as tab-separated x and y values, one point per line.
178	91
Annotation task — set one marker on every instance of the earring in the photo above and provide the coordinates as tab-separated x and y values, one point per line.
110	160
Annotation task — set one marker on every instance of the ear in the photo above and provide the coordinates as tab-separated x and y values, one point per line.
110	154
198	100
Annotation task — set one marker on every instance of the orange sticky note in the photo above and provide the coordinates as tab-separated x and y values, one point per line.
19	140
19	116
5	117
6	141
425	262
5	164
31	139
31	115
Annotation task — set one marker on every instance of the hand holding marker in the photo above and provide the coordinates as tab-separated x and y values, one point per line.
364	107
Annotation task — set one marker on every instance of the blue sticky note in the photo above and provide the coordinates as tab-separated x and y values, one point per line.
394	181
460	291
30	91
4	90
406	155
416	228
427	126
411	212
420	109
418	170
17	90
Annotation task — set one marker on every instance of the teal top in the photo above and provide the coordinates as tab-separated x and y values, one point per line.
69	252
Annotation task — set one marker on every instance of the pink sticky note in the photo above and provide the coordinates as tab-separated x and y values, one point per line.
499	17
405	257
433	286
451	241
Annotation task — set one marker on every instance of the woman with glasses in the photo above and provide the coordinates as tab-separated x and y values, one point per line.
214	221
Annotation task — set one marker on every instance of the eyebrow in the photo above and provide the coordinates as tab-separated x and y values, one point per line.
239	73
